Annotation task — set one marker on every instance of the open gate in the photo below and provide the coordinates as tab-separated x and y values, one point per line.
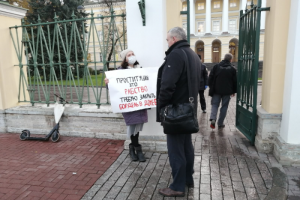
248	60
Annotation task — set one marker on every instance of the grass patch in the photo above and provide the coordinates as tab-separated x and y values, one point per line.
260	79
82	81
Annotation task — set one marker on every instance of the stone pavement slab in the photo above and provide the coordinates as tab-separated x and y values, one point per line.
45	170
226	167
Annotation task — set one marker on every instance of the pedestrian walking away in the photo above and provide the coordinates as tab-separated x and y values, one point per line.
172	88
222	83
203	85
134	120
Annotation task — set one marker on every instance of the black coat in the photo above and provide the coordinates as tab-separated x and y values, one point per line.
222	79
172	85
204	77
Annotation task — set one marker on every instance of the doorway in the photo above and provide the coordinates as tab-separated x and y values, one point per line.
199	49
216	51
234	49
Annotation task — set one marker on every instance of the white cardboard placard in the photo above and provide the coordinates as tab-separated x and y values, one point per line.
132	89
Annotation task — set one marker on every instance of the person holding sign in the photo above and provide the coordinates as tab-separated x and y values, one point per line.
134	120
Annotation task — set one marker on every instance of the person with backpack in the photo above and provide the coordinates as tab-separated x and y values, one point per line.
222	83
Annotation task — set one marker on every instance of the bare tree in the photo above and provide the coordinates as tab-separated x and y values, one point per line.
113	33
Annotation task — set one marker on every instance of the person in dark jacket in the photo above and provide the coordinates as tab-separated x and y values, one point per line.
222	84
134	120
203	85
172	88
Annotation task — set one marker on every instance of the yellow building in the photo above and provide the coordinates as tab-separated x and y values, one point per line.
214	27
101	52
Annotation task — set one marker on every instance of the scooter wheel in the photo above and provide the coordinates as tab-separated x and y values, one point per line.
24	135
55	136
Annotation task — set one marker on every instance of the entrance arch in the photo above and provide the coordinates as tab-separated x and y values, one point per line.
199	49
216	51
234	49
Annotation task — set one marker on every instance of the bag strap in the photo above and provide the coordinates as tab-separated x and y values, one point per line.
186	60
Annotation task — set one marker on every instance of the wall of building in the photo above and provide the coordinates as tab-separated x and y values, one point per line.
291	97
173	16
9	74
276	36
149	42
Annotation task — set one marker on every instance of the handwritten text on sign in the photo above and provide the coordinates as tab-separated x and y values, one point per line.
132	89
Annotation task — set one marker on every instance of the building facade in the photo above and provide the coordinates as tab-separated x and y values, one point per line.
105	32
214	27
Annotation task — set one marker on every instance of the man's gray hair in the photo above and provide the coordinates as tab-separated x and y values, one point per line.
228	56
178	33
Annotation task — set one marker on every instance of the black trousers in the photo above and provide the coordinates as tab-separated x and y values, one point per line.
181	157
202	100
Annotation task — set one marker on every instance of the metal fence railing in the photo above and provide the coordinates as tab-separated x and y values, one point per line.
68	58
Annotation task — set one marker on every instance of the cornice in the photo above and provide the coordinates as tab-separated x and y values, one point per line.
12	11
103	5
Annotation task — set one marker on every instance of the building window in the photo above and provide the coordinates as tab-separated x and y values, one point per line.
100	35
200	27
184	7
99	15
216	26
100	56
249	3
217	4
232	25
200	6
232	3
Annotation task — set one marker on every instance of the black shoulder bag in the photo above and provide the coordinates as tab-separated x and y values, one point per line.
180	118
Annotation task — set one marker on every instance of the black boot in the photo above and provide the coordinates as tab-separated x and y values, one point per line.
139	153
132	154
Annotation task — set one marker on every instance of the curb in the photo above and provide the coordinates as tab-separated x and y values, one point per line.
279	185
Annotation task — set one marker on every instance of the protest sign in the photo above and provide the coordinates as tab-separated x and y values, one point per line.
132	89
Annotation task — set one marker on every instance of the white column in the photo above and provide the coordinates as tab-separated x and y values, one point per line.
263	14
208	17
290	116
140	40
192	17
225	16
243	4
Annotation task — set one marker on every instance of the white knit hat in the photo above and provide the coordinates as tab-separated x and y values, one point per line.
124	53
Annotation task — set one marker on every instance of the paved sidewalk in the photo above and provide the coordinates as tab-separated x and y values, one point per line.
293	175
226	167
45	170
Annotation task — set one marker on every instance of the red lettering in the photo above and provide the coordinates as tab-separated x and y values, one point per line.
146	103
151	102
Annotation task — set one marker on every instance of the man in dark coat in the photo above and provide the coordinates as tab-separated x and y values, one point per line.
203	85
172	88
222	83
